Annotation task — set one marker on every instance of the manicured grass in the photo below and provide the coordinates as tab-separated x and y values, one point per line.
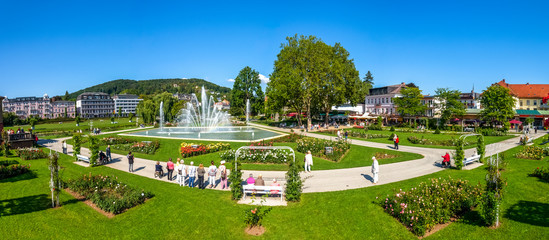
208	214
358	156
403	136
63	129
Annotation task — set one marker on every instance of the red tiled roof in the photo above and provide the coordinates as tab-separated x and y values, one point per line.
526	90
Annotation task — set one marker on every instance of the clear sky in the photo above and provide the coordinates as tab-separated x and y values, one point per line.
53	46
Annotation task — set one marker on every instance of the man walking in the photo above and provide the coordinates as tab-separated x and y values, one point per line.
396	140
308	161
375	170
108	152
130	161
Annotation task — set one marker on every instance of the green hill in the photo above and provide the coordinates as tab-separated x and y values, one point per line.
174	85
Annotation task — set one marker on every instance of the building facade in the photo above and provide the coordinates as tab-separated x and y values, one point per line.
433	106
528	96
380	100
125	104
25	107
63	109
94	104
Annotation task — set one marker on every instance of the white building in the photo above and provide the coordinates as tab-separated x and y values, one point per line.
125	103
380	100
355	110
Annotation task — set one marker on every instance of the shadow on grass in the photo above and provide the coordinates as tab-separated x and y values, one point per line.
532	213
25	176
24	205
472	218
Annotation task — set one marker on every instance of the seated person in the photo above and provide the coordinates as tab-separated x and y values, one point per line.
446	160
275	184
158	170
259	181
102	157
251	180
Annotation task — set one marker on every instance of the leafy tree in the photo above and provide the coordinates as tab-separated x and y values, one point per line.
247	85
32	122
77	140
460	154
147	110
94	148
235	178
112	119
66	97
497	103
294	184
130	116
410	103
450	106
481	147
171	106
65	115
77	120
529	120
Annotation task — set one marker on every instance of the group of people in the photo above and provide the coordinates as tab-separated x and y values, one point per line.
19	130
96	131
396	140
340	135
260	182
193	174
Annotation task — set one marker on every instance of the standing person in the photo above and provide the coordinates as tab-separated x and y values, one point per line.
130	161
200	172
338	135
396	140
192	174
223	173
346	135
170	167
108	151
308	161
212	171
65	147
181	172
375	170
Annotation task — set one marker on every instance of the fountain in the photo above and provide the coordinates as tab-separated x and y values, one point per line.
203	120
247	111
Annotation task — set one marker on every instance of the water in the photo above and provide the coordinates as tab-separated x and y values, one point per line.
202	116
241	134
247	111
161	116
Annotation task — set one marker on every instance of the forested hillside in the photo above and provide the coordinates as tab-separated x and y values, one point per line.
147	87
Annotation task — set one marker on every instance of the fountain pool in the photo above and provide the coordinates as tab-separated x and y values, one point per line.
228	133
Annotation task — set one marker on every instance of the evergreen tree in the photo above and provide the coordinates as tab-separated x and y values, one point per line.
247	85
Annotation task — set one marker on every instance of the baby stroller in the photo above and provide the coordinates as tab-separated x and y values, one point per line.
102	158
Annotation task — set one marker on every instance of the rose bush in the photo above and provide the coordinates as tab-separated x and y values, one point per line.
191	149
531	152
318	148
542	173
431	203
13	170
31	153
148	147
108	193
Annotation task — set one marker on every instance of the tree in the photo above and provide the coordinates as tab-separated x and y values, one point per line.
365	87
449	104
247	85
66	97
65	115
235	178
409	104
32	122
459	154
147	110
171	106
94	148
497	103
130	116
294	184
77	140
77	120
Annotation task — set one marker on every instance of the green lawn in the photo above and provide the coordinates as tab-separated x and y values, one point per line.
357	156
177	212
63	129
403	136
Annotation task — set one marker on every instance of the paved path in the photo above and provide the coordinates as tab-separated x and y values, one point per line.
326	180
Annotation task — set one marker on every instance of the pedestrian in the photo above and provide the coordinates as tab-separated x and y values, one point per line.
396	140
535	130
223	173
158	170
308	161
200	172
64	147
170	167
338	135
108	151
375	170
181	172
212	171
346	135
130	161
192	174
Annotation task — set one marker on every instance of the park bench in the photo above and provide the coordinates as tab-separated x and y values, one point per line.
83	158
467	129
262	190
471	159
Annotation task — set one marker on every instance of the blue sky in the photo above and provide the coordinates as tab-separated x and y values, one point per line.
53	46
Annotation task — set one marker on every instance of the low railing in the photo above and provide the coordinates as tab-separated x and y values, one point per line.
20	136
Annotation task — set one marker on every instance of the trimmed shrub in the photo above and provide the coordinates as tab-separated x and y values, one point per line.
294	184
31	153
235	177
392	129
542	173
459	154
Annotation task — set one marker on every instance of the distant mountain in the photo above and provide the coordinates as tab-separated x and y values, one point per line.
174	85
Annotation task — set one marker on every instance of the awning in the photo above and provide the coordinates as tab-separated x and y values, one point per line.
514	121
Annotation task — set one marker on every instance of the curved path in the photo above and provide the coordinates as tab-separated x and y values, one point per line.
325	180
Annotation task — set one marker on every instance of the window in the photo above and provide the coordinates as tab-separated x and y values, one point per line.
528	103
521	103
535	102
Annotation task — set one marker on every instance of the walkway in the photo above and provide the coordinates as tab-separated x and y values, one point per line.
326	180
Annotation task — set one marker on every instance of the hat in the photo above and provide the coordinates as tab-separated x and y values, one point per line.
222	161
373	158
192	163
182	161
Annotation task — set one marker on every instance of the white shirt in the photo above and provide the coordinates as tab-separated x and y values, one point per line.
212	170
309	159
375	167
192	171
181	168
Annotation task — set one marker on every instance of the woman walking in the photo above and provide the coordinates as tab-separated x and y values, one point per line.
170	168
130	161
223	173
200	172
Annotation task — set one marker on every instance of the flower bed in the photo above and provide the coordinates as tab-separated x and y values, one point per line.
431	203
13	170
107	193
277	156
425	141
384	155
318	148
542	173
116	140
359	134
148	147
31	153
192	149
531	152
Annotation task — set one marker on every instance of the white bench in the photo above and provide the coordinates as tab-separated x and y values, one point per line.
262	190
474	158
83	158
